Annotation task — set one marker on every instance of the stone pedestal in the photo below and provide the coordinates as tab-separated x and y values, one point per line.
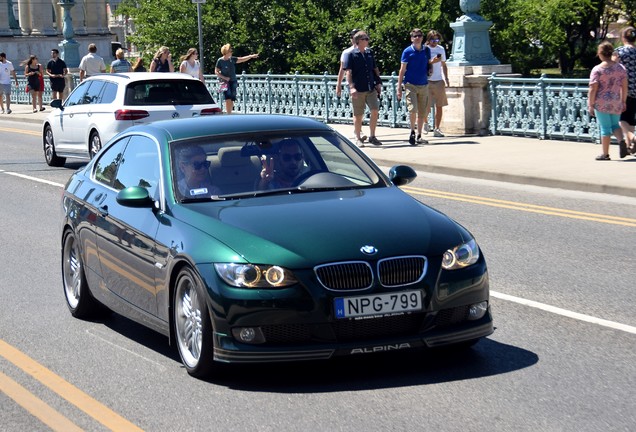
469	106
69	52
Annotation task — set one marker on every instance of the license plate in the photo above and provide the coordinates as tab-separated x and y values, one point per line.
380	304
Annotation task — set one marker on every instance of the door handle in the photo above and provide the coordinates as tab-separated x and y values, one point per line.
103	210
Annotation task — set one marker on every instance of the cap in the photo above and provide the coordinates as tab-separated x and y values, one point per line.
353	32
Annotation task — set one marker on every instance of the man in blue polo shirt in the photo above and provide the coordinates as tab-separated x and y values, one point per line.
363	77
415	61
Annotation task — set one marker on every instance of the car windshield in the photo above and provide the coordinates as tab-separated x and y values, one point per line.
167	92
243	166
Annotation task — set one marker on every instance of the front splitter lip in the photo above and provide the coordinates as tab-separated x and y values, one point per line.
256	354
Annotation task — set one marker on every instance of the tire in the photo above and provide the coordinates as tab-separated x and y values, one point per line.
79	299
94	144
192	326
52	159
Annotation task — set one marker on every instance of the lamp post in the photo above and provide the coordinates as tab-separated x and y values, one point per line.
199	3
69	47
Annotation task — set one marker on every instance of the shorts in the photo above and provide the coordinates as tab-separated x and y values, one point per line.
230	93
437	93
5	89
57	84
629	115
416	98
363	99
607	122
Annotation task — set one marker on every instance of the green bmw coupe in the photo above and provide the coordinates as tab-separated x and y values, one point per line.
262	238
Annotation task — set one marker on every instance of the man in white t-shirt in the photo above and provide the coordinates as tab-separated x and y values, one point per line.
6	71
437	82
91	63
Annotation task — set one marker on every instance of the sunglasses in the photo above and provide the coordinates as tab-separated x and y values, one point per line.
417	36
434	40
197	165
287	157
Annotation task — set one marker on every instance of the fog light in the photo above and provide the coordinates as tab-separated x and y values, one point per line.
252	335
477	311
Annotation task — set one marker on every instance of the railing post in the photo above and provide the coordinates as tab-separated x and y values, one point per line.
268	78
244	98
544	126
394	105
327	98
297	92
493	109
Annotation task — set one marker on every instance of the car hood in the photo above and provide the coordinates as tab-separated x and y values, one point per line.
306	229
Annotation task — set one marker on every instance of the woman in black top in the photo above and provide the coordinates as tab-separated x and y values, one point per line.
162	62
35	78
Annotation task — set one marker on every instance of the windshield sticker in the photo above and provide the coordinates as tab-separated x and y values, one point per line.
199	191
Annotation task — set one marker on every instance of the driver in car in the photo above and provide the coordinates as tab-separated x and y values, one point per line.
194	174
281	171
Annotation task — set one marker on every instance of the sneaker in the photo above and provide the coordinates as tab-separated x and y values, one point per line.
359	143
603	157
622	149
363	138
412	138
421	140
35	110
42	109
438	133
427	128
9	111
2	112
376	142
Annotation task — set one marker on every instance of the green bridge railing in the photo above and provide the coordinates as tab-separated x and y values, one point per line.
545	108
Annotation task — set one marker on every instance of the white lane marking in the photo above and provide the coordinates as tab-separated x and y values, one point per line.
95	334
48	182
565	312
530	303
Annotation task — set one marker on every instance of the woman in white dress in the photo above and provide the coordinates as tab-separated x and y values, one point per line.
190	64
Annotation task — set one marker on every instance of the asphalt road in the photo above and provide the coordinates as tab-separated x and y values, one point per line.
562	358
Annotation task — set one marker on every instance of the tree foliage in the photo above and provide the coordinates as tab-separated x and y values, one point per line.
307	36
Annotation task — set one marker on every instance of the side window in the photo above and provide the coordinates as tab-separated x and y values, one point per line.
77	96
106	166
109	93
140	166
92	94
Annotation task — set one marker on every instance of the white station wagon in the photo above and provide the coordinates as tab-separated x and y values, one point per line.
104	105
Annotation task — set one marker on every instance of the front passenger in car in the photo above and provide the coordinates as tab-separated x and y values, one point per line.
282	170
193	173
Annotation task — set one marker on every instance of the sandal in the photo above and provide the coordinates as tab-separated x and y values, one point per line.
603	157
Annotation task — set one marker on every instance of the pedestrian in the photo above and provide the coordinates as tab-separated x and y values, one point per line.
626	54
363	78
190	64
56	70
121	64
607	98
162	61
139	65
6	71
91	64
226	71
34	73
437	81
414	67
341	71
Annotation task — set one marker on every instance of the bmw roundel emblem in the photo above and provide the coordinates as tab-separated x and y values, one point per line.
368	250
175	115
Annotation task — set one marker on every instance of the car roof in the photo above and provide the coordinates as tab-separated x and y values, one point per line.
127	77
229	124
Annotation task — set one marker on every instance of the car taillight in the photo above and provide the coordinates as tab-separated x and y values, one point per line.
125	114
210	111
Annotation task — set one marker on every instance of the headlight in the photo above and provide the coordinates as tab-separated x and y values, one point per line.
255	276
461	256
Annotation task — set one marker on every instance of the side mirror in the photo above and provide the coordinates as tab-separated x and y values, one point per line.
57	103
401	175
135	196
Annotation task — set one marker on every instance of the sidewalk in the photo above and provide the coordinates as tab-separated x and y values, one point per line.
558	164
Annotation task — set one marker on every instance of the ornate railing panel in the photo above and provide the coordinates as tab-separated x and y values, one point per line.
541	107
